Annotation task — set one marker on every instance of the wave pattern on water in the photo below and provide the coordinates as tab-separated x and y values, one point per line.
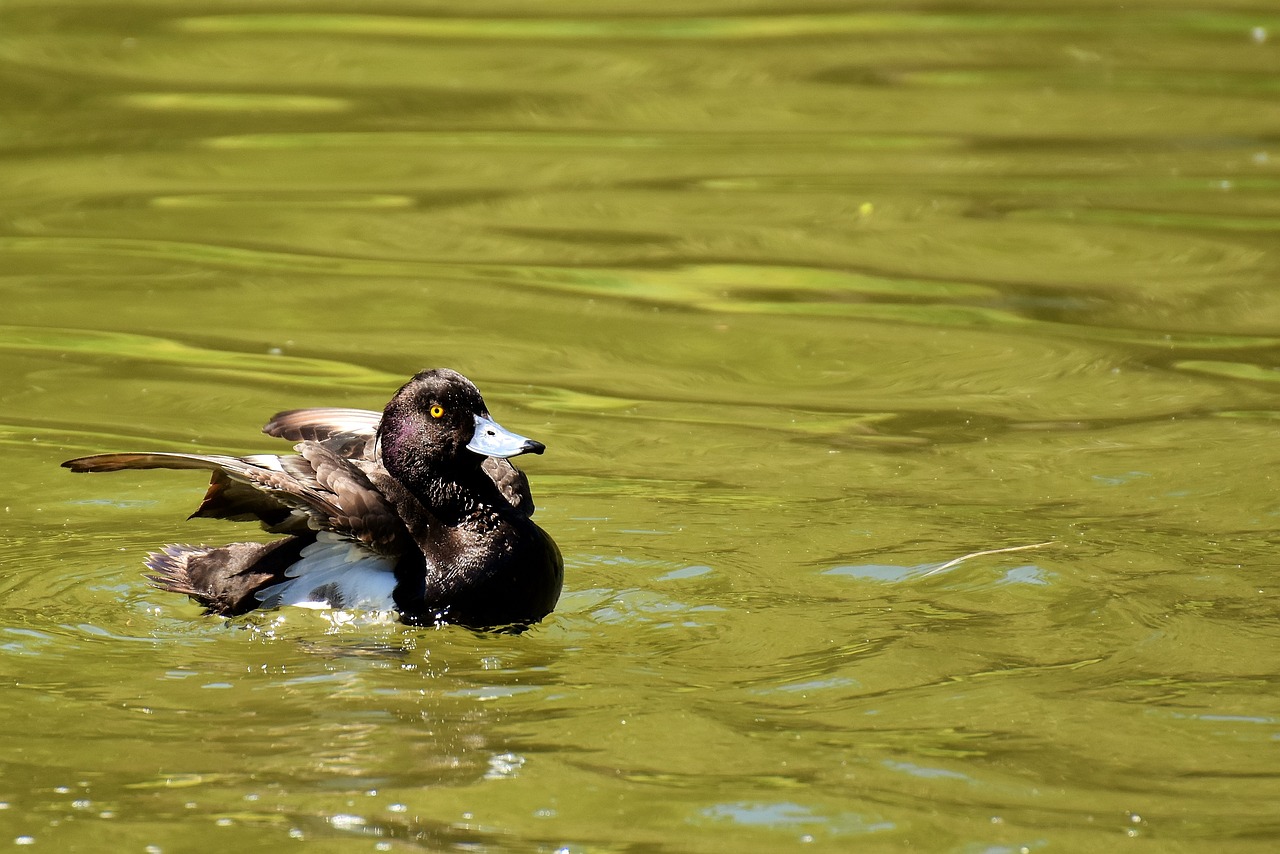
804	302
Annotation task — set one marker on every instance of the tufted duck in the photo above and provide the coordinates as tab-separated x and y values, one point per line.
416	510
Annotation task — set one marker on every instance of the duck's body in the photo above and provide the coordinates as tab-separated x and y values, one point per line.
414	510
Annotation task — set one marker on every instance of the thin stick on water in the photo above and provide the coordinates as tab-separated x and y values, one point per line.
957	560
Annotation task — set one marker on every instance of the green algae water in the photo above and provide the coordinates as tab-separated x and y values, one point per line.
806	302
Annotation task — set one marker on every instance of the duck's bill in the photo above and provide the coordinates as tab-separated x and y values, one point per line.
493	440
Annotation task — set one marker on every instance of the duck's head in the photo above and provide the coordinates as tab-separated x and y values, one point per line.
438	421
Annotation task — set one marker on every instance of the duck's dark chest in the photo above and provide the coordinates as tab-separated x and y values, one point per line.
484	576
479	563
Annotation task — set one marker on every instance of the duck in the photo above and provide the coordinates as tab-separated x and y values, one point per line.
416	510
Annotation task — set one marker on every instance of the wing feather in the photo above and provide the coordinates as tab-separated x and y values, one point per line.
330	492
348	432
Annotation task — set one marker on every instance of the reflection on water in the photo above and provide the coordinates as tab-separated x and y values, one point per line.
806	305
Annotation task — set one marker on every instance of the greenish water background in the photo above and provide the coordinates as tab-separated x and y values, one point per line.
804	300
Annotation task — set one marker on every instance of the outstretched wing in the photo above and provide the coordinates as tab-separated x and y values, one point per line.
347	432
318	487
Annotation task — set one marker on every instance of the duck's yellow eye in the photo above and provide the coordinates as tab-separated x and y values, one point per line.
437	410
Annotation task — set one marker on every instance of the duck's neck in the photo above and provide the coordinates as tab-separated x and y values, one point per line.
457	492
455	496
460	498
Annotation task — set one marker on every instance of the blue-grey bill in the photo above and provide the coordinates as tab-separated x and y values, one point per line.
493	440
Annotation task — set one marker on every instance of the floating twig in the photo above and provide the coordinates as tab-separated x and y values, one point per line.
958	560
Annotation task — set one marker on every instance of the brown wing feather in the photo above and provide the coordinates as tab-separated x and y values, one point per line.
334	494
237	501
150	460
511	482
347	432
360	510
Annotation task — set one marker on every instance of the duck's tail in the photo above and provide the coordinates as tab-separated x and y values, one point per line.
170	567
224	579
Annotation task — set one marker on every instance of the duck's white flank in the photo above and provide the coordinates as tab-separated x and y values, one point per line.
334	572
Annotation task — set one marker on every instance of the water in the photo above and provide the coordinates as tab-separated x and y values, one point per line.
805	304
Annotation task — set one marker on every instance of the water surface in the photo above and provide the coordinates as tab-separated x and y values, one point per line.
806	302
